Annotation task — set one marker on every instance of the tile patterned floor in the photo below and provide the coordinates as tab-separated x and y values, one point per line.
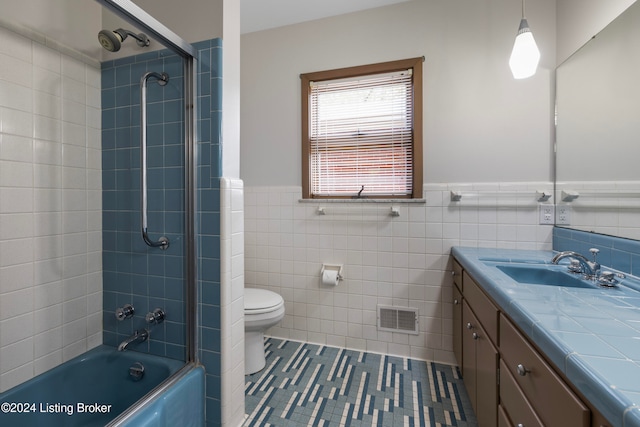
314	385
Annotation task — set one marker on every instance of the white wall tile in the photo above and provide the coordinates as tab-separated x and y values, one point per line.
16	174
48	361
15	122
232	301
46	58
15	70
16	226
16	376
17	251
16	328
17	100
390	261
16	277
50	247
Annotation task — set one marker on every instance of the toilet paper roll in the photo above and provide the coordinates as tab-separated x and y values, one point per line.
330	277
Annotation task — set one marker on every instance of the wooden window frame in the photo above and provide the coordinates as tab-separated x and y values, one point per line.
417	169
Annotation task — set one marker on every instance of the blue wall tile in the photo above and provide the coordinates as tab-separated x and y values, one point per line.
133	272
208	220
615	252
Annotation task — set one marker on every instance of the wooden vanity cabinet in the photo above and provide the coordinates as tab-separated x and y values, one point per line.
474	341
509	382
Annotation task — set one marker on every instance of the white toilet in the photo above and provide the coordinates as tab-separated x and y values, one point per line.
262	310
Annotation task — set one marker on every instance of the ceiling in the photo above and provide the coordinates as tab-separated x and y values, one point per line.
257	15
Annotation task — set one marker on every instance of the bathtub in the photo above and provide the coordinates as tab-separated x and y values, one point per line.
90	390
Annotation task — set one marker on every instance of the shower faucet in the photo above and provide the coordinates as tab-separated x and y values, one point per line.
137	337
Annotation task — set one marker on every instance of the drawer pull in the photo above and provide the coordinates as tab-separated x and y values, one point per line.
469	326
520	425
453	272
456	302
475	336
522	371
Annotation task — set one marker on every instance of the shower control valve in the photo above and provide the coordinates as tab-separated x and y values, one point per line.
125	312
155	317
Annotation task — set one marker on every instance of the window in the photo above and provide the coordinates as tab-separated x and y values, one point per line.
362	131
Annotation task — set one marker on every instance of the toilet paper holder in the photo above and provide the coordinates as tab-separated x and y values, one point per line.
334	267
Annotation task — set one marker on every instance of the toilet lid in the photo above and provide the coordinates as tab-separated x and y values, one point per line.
260	299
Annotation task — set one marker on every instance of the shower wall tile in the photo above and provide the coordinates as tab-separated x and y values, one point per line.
49	169
398	261
220	280
134	273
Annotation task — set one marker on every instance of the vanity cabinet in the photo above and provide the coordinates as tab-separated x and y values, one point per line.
475	337
509	382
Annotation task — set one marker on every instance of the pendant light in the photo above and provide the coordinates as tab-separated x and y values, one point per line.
525	54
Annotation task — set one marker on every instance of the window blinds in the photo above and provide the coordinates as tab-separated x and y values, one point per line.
361	135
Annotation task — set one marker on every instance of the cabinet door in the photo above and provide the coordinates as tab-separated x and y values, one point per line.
486	380
480	367
469	322
503	420
457	325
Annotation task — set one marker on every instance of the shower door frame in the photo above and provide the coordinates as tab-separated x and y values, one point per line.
147	23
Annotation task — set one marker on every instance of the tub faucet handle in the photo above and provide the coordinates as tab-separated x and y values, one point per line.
155	317
125	312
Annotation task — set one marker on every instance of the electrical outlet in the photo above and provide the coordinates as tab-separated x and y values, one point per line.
547	214
563	215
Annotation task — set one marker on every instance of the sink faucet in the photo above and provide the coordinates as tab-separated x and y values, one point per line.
137	337
589	268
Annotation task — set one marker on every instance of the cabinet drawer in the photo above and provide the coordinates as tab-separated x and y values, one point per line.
485	311
457	274
514	401
555	403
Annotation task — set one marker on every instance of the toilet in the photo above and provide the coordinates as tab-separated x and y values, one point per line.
262	310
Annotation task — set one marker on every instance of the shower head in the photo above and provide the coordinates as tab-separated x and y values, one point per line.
112	40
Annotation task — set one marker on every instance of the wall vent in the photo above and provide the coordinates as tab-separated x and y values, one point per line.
398	319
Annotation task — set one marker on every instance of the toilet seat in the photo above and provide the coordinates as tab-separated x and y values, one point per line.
260	301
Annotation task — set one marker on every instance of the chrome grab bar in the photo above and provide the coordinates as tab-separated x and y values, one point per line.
163	79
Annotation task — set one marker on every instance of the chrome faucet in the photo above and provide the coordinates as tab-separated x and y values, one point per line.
590	269
137	337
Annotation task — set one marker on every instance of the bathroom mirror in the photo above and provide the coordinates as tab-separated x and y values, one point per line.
598	132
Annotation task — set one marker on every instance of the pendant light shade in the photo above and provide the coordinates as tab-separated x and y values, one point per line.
525	54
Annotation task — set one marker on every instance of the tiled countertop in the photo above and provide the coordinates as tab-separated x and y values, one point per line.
591	335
